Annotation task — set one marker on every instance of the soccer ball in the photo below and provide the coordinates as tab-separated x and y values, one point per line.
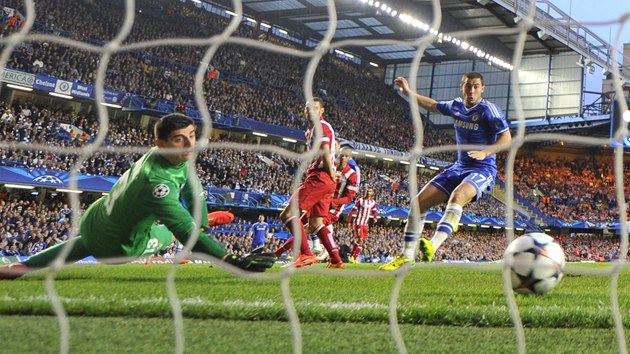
536	263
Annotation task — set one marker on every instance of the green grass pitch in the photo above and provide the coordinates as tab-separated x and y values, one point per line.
441	309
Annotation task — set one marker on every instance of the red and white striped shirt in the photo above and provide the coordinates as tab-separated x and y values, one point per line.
346	190
328	138
364	207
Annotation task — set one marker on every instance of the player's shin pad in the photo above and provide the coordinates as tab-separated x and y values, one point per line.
253	262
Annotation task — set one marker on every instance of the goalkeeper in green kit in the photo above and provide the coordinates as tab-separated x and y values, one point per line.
156	187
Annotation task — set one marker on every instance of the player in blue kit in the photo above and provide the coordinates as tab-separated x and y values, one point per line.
259	232
477	122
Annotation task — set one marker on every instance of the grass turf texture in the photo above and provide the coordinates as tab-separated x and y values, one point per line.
441	309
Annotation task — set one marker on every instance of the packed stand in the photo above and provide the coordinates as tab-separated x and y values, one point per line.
271	93
579	190
385	242
29	124
268	88
587	247
28	226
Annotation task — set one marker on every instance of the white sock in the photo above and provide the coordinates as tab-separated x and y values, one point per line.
413	232
438	238
447	224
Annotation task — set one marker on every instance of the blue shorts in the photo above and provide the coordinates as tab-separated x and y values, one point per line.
482	178
258	242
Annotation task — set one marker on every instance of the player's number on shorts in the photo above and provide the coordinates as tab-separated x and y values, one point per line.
480	180
152	246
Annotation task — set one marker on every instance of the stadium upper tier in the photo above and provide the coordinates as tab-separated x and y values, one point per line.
251	83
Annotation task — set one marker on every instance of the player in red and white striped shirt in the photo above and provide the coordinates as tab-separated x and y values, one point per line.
315	193
347	186
365	207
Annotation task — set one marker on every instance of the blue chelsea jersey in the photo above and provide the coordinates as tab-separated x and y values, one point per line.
260	229
478	125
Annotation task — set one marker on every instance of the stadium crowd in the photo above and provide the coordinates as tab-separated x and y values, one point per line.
267	88
578	190
28	226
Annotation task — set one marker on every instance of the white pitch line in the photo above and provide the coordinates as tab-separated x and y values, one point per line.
195	301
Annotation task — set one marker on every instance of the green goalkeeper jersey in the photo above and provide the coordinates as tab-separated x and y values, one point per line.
119	224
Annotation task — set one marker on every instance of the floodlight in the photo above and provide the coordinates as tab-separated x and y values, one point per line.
542	34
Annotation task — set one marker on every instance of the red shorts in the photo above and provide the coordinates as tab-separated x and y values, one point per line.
331	219
328	220
360	232
315	194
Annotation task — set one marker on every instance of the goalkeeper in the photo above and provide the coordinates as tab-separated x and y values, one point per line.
156	187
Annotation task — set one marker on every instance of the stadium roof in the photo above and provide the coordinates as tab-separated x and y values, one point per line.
371	19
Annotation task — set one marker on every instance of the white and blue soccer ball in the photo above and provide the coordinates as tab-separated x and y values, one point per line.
536	263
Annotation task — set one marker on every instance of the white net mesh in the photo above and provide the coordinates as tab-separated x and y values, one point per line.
120	44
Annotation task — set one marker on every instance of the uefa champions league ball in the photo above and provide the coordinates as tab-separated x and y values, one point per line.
536	263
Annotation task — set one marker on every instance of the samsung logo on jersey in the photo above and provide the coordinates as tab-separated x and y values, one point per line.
467	125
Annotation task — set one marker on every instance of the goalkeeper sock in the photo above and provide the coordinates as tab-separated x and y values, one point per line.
329	243
447	224
413	231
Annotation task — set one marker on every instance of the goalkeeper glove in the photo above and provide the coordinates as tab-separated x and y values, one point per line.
253	262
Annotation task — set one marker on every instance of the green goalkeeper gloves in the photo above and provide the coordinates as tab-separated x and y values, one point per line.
253	262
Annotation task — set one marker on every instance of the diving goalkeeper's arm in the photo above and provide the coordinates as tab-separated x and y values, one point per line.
257	261
181	223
